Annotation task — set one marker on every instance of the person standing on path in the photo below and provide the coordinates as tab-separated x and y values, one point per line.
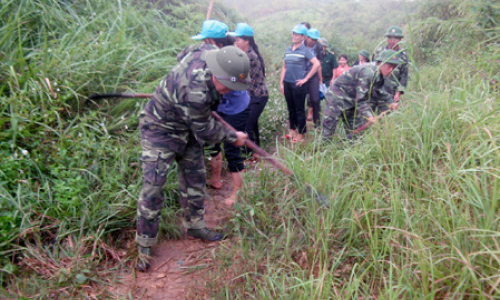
175	124
395	84
314	107
258	92
234	109
328	63
294	77
349	95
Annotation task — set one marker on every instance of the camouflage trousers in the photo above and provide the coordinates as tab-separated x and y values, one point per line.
352	121
344	110
161	148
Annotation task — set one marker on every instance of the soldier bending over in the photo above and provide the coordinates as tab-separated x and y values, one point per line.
174	125
349	95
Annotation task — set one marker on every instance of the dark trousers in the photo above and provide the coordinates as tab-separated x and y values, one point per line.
295	99
326	80
233	153
314	102
257	105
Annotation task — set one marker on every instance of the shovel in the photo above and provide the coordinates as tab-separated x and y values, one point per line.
311	191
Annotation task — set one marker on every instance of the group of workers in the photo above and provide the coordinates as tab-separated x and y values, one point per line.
354	93
226	73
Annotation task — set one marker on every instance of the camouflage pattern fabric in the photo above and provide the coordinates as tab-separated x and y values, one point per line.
349	97
352	120
174	125
396	82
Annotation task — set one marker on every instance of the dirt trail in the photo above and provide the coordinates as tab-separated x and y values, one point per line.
171	272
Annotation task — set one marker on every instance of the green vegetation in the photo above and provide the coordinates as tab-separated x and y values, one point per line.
415	203
70	173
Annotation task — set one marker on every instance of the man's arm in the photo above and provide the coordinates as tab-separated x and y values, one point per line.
364	85
198	111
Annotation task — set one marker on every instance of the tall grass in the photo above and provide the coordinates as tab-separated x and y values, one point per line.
413	205
70	174
414	210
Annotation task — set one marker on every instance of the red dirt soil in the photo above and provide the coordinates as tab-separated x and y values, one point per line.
172	272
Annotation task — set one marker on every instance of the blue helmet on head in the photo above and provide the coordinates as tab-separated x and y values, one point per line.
242	29
212	29
300	29
313	33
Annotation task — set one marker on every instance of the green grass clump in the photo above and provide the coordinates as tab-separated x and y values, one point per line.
70	171
413	205
413	211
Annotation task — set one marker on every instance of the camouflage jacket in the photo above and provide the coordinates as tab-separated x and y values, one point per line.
192	48
398	79
183	100
357	86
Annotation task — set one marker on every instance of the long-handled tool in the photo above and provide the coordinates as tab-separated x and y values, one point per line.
368	124
255	148
322	200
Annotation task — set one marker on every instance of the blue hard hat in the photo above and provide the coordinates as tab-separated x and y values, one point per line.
242	29
212	29
300	29
313	33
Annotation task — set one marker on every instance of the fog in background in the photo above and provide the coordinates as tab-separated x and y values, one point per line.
349	25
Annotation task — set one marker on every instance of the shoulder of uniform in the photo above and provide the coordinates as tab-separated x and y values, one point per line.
367	69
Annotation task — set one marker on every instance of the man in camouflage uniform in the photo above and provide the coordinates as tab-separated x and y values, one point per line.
174	125
349	95
395	84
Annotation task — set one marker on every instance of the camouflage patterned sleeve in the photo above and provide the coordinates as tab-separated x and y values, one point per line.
202	124
382	96
363	89
403	77
377	51
185	51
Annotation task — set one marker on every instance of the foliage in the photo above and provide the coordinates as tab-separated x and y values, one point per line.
413	211
449	26
70	173
349	26
413	205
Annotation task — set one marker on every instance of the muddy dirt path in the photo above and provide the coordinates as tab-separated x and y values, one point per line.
173	274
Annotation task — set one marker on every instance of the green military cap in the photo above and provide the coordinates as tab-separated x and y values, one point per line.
230	66
388	57
394	31
323	42
365	54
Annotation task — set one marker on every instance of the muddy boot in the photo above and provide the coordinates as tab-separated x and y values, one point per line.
144	256
205	234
